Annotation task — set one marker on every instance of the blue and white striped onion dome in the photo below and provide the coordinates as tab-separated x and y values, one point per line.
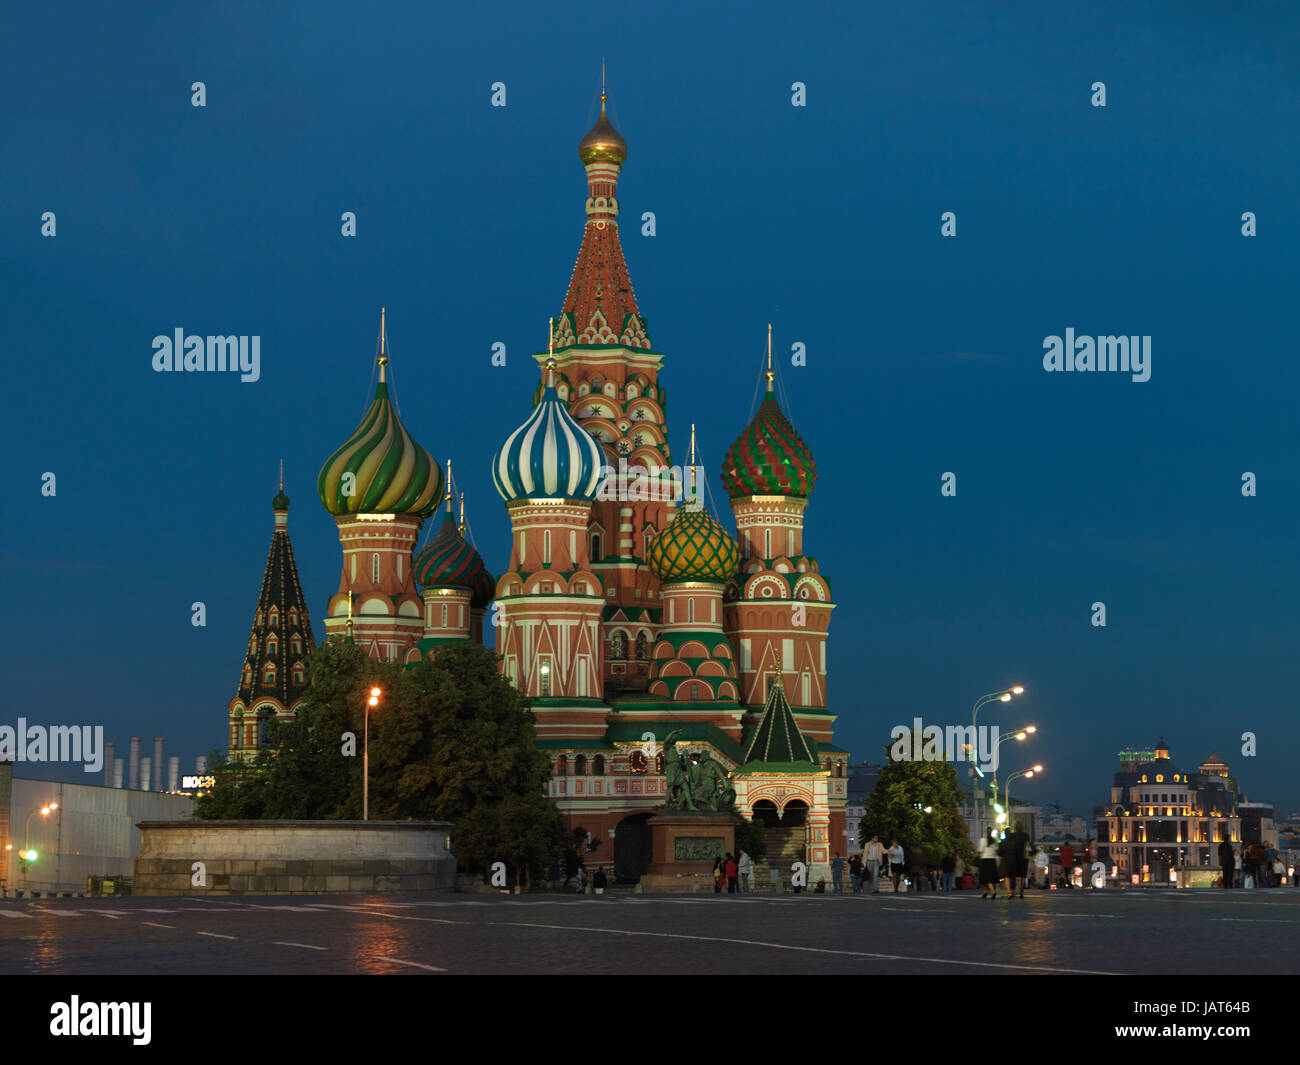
550	456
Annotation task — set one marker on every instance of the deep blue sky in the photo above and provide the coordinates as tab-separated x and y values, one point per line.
924	354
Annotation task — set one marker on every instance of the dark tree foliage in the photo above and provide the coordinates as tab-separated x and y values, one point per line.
451	740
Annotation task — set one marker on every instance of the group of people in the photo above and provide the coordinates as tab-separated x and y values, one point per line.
732	873
1252	866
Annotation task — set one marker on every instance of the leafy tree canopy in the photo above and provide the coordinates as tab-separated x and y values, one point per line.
451	740
896	809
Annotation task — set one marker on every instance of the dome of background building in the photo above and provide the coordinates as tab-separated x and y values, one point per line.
550	456
448	560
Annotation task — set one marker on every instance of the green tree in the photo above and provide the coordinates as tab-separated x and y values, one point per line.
451	740
896	809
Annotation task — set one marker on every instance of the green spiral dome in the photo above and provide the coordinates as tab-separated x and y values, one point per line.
391	473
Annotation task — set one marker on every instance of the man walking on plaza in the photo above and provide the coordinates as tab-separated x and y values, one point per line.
1227	860
946	869
855	873
837	874
746	867
873	854
1067	865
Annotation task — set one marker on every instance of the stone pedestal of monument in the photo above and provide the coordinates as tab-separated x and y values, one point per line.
684	845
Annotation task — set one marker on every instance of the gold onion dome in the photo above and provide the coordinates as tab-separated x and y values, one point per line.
693	547
391	473
603	144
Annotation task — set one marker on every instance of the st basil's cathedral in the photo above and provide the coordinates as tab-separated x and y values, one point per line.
622	616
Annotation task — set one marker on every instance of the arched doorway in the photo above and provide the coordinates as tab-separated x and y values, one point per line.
795	813
632	848
766	813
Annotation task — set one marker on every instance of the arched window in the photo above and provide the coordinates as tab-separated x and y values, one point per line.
295	642
640	646
268	673
767	543
374	568
248	675
275	617
580	766
293	617
598	766
618	645
562	766
546	547
299	674
252	645
690	609
595	547
272	645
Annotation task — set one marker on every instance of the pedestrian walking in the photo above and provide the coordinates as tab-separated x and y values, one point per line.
719	877
746	867
1067	864
1018	847
837	873
947	868
989	865
1227	862
959	872
855	873
732	871
1042	867
896	863
875	854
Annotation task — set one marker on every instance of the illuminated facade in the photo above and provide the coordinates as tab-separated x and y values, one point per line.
1162	818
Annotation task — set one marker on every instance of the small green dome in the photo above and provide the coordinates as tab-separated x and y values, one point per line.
281	501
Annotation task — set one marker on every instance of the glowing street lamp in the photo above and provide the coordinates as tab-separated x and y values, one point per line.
1003	695
1006	792
375	693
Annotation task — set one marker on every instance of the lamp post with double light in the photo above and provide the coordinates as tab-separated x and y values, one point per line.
28	855
365	756
1003	695
1006	793
1020	735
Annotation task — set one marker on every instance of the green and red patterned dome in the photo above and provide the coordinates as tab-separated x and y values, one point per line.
693	547
389	472
769	458
448	560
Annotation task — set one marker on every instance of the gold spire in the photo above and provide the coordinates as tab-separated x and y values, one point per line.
447	497
282	475
602	82
769	375
694	498
461	527
383	346
550	355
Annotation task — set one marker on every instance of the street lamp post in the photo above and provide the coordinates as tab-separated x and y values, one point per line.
365	756
1014	734
26	854
1003	696
1006	794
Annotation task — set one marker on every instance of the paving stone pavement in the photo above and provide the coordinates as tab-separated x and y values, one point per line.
1106	932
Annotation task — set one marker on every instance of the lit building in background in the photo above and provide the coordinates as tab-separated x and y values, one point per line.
1161	817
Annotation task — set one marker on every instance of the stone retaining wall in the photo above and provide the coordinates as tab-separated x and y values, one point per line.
293	857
